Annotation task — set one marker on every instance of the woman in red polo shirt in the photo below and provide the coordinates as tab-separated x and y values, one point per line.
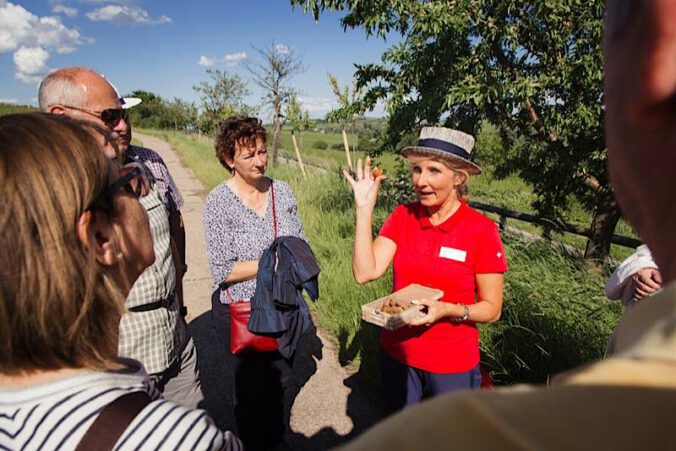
440	242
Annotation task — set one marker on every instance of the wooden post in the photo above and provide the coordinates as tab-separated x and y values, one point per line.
347	148
300	160
503	222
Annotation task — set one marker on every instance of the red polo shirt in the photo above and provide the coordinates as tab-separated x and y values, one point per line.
447	257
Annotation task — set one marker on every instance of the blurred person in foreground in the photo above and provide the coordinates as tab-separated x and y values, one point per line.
74	238
625	402
439	242
153	331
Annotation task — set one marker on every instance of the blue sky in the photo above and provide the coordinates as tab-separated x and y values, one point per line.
158	45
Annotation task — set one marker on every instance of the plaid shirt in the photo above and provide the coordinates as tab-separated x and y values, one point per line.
158	172
154	337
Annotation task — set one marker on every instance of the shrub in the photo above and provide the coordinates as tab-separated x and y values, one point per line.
321	145
338	146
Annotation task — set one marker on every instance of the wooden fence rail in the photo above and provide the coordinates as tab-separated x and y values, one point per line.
505	213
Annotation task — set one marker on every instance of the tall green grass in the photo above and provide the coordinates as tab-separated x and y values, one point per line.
555	316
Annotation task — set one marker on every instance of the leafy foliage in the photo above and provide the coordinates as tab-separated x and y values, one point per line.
12	108
296	118
532	69
220	98
156	112
272	72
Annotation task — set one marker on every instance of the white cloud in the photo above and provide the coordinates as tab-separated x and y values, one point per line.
19	27
100	2
281	48
8	100
32	38
230	59
206	61
317	104
233	58
65	10
125	15
51	33
31	64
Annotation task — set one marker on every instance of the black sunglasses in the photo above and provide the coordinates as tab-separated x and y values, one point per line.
109	116
132	181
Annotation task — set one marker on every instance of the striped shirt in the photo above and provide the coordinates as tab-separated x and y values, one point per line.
56	415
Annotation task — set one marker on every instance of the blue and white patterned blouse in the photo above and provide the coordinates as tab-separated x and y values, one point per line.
234	232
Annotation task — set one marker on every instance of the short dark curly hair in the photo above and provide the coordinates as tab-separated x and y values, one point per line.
237	129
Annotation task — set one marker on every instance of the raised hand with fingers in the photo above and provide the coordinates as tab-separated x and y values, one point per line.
366	185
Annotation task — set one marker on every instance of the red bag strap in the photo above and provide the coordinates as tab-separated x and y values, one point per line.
274	229
274	210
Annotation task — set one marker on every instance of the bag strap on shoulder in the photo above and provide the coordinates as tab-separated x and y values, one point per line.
113	420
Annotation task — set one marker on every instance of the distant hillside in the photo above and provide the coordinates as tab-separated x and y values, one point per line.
361	123
10	108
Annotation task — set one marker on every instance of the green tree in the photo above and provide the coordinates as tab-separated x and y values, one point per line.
345	113
273	72
14	108
299	121
533	69
183	114
220	97
152	112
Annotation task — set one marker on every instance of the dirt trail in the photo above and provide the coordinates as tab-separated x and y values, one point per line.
329	406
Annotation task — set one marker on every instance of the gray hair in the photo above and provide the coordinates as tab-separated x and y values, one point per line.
61	87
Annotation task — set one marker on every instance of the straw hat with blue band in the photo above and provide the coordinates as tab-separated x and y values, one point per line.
452	145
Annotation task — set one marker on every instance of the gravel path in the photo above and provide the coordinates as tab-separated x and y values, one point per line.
329	407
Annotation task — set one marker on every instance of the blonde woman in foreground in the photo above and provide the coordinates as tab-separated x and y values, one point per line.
74	238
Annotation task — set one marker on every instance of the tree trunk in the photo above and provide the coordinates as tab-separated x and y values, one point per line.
277	125
347	149
606	216
300	160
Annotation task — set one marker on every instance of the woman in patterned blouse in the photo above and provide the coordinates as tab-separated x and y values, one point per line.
240	222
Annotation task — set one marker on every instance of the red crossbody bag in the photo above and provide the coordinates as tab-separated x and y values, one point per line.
241	339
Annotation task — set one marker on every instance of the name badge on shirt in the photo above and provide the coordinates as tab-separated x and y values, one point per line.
453	254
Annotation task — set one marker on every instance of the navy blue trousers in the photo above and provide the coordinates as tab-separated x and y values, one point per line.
404	386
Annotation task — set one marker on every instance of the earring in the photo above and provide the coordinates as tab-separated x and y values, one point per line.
119	255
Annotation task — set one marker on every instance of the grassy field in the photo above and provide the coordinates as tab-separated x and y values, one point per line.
555	316
511	193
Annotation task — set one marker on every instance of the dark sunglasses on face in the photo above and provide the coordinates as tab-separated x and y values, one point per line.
132	180
109	116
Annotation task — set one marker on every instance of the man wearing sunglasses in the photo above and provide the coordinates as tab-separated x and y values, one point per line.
154	331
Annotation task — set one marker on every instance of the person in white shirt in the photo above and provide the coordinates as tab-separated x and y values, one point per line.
635	279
